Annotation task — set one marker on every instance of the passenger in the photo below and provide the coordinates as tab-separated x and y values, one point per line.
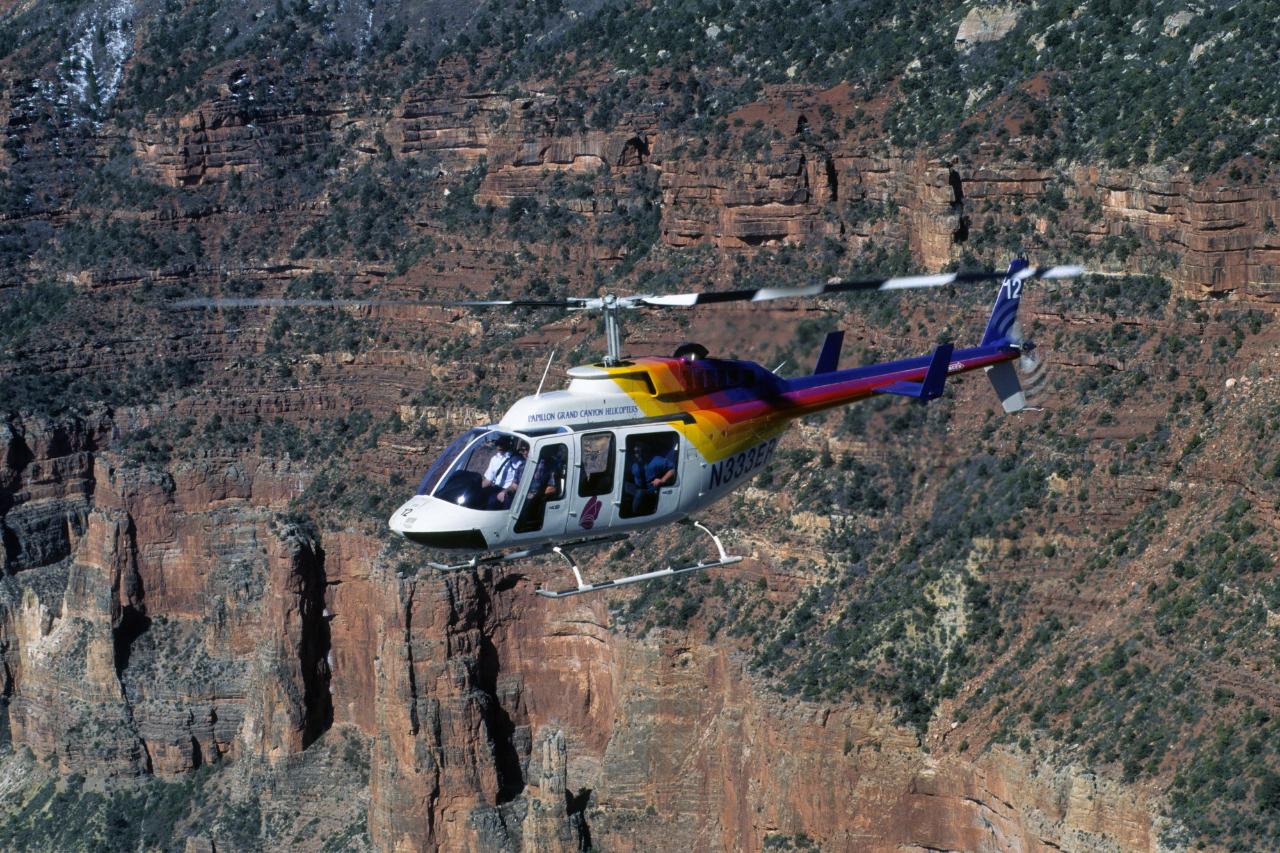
648	471
660	470
633	489
548	475
547	484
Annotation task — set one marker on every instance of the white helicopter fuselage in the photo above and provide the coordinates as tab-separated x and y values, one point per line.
595	461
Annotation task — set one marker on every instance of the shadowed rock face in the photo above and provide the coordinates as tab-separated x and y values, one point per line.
46	488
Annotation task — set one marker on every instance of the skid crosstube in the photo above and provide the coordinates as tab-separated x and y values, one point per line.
723	559
648	576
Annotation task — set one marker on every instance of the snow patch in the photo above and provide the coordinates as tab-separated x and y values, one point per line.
94	67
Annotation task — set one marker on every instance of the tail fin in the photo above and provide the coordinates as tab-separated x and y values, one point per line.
1002	327
829	358
1005	380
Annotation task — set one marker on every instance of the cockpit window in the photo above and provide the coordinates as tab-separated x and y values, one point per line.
486	472
452	452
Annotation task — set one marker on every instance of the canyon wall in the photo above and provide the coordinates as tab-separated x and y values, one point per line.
185	623
1210	237
180	619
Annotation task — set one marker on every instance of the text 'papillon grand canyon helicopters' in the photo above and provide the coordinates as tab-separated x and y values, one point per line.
636	443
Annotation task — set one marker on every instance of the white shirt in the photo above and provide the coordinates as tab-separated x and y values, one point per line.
504	469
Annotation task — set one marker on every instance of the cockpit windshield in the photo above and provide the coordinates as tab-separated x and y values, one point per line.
432	478
480	470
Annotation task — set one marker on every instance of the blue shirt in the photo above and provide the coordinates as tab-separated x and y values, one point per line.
656	467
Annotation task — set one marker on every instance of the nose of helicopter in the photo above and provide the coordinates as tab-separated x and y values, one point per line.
405	518
436	523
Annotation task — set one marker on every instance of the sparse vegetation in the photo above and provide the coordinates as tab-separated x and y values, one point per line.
944	561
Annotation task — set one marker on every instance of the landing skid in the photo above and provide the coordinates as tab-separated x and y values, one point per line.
671	571
476	562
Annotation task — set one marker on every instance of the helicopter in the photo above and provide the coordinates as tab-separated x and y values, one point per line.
638	443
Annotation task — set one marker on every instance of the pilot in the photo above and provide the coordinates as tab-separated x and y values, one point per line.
503	474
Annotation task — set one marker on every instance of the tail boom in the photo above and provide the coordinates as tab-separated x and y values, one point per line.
807	394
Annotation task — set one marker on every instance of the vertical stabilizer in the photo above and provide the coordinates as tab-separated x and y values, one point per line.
1001	328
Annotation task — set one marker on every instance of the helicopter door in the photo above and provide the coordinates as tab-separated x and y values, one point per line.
545	506
591	497
650	475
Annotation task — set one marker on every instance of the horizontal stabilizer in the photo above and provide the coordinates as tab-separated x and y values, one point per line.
1005	380
934	378
904	389
829	358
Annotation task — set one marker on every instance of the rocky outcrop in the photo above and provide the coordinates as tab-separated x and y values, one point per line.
46	486
65	701
185	625
778	199
664	744
1223	238
528	168
247	126
986	23
548	827
458	129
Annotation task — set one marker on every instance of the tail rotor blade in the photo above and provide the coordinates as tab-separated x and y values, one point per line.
1035	377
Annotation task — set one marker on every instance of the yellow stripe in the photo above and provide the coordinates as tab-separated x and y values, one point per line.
713	436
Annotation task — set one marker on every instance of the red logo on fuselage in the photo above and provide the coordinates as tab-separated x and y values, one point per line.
590	513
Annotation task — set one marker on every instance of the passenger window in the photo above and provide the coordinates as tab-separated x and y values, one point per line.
597	450
653	464
546	486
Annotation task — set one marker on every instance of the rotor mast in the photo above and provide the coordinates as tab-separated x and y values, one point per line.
612	330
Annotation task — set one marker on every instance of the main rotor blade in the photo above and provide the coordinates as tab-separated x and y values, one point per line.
285	302
762	294
569	302
676	300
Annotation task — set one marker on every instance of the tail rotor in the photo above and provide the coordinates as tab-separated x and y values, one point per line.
1034	375
1024	384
